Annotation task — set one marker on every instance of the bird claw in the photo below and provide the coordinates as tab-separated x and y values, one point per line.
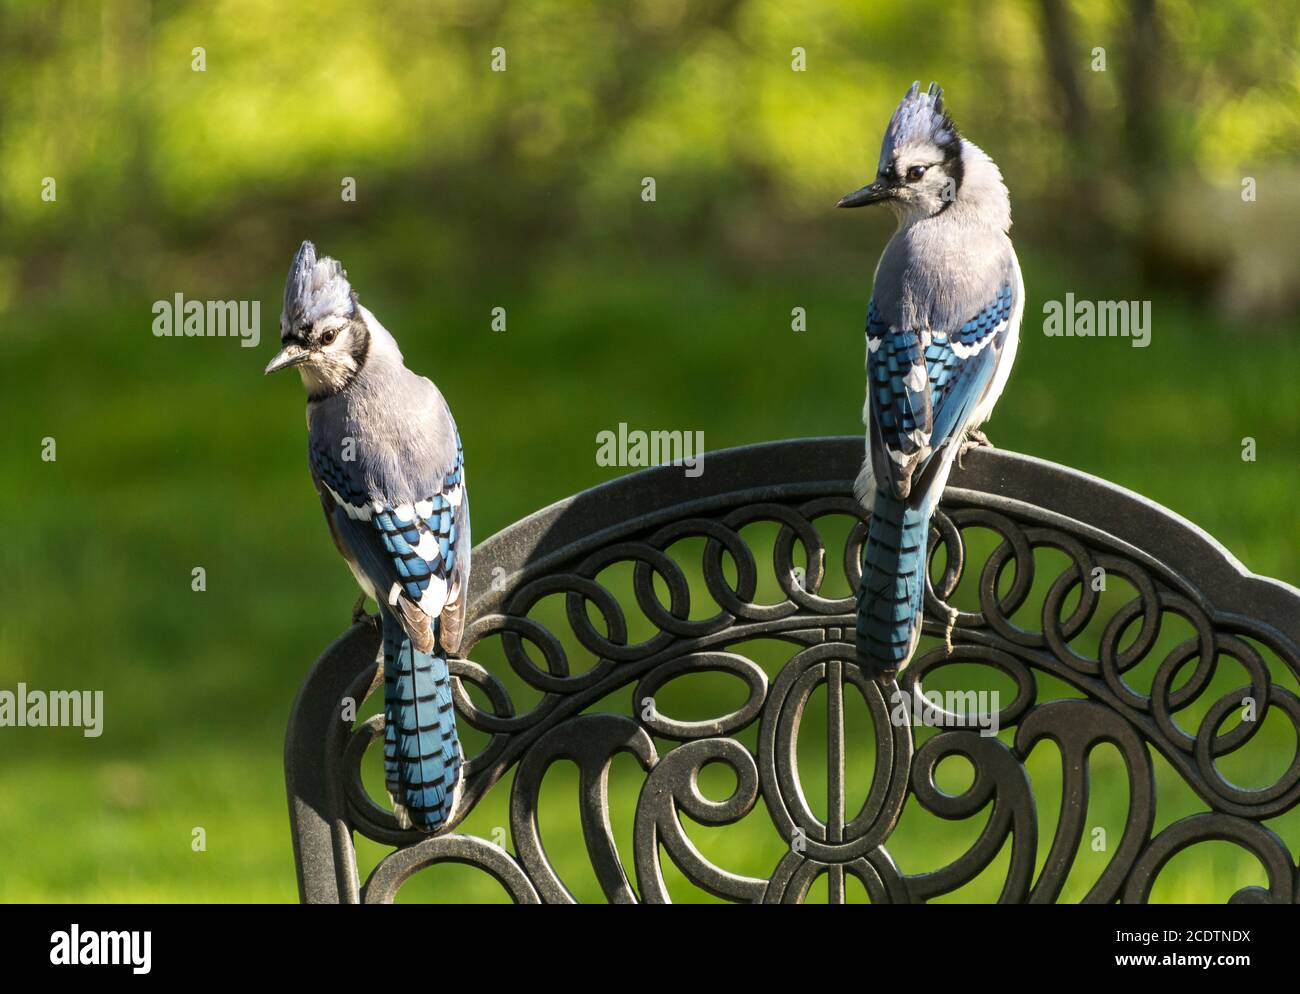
359	614
399	811
975	439
949	624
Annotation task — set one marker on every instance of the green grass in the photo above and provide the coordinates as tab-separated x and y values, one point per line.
174	454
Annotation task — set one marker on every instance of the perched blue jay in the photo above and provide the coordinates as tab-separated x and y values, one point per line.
386	459
942	328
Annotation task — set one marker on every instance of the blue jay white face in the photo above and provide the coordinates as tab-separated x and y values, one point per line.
322	330
920	171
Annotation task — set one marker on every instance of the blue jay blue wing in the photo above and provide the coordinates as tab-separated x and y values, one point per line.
453	613
407	551
899	397
924	386
961	364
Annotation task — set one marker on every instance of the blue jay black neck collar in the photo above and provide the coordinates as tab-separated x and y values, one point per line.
952	165
360	345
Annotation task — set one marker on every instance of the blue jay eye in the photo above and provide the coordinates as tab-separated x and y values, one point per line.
327	337
915	173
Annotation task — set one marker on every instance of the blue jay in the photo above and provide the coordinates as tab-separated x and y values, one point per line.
386	459
942	329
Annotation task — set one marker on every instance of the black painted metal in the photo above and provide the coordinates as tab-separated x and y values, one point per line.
1174	566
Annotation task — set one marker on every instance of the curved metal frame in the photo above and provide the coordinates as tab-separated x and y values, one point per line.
1173	565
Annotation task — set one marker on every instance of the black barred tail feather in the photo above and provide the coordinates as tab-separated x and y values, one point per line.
891	599
422	757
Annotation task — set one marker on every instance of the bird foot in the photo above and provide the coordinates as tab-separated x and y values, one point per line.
949	626
359	614
975	439
400	813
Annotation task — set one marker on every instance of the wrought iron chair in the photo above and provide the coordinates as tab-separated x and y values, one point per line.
1172	567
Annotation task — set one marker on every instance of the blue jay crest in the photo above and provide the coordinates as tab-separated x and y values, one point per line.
315	289
920	118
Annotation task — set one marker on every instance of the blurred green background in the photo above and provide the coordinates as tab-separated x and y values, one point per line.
522	189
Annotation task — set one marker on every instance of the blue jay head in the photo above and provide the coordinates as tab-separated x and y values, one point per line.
322	332
920	170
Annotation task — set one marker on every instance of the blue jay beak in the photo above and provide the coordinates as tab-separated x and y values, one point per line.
292	354
872	194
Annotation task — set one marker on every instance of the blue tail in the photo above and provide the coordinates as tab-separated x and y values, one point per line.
891	599
421	750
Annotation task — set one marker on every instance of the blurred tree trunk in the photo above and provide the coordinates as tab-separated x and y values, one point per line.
1064	61
1160	257
1063	58
1140	91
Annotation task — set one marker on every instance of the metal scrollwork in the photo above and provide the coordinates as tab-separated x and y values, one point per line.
1026	506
